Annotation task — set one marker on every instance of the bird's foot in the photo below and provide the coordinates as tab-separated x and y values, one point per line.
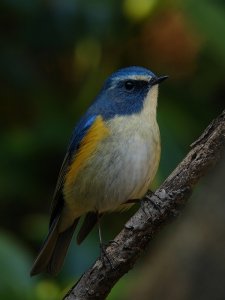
104	255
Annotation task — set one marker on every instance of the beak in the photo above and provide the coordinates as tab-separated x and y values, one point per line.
157	80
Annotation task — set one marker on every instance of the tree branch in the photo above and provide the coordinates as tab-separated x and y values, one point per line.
156	211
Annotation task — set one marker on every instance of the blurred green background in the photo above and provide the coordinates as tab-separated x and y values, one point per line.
54	57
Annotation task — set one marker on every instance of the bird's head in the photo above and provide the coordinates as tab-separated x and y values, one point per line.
126	90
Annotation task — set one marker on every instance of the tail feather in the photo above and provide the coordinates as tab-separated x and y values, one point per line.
60	250
54	249
90	221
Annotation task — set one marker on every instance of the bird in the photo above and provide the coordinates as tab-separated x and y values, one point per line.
112	158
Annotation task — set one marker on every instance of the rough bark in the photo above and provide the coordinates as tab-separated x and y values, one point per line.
156	211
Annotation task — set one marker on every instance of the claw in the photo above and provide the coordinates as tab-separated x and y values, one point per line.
104	255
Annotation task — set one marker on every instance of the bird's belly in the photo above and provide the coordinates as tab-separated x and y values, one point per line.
120	169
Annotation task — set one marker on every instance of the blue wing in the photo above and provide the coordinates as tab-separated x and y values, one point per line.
78	134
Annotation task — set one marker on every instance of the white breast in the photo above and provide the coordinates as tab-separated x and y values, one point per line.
124	163
137	143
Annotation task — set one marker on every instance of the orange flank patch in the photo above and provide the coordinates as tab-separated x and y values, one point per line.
96	133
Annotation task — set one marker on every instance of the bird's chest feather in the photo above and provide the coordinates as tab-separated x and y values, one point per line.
136	142
121	168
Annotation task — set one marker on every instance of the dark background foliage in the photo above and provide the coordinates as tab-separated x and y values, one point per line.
54	57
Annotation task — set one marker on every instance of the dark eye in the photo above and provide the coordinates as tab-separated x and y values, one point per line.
129	85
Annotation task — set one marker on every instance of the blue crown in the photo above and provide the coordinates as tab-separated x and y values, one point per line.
131	71
114	99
